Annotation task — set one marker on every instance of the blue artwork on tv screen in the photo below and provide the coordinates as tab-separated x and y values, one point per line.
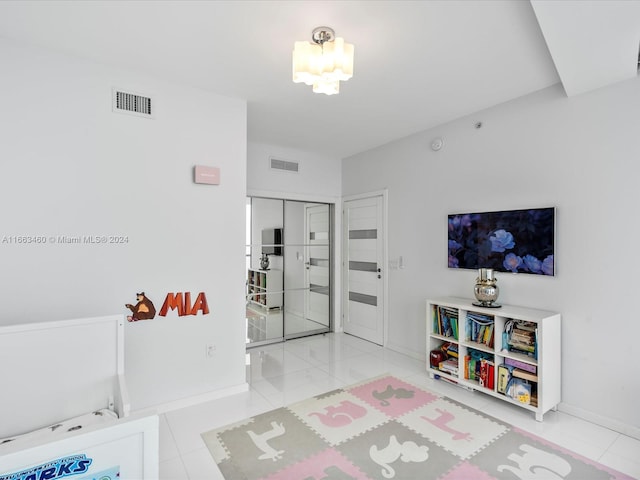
517	241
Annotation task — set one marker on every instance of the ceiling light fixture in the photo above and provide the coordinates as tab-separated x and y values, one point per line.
324	62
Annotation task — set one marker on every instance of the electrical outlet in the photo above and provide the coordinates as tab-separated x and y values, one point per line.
210	350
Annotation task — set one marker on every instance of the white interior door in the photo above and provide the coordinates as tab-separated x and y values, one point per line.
317	264
363	260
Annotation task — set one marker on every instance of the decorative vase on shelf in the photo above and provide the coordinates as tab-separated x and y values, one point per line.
264	262
486	290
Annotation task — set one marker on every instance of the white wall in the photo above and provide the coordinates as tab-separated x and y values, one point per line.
69	166
318	180
578	154
318	176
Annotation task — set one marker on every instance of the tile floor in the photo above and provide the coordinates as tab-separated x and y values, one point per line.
263	325
284	373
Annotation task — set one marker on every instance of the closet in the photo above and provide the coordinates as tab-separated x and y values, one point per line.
289	269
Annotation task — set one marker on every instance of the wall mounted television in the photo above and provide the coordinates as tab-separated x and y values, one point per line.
517	241
272	241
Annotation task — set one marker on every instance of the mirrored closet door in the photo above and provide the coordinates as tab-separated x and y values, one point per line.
289	269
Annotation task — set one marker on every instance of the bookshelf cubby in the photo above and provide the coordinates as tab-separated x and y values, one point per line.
511	353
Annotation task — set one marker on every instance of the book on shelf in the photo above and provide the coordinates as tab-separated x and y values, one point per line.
471	368
482	379
450	348
504	375
521	337
473	364
521	365
467	359
488	336
522	345
450	366
524	375
520	390
528	350
446	321
487	373
492	376
527	337
480	328
525	325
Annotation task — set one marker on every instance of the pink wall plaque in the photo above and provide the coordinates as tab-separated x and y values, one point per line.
208	175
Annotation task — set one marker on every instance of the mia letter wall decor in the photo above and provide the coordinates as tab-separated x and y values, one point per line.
180	302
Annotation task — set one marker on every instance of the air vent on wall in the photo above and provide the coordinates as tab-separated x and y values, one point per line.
285	165
132	103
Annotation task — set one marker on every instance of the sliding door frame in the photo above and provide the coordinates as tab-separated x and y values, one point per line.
335	205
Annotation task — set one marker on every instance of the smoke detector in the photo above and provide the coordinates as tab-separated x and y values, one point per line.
436	144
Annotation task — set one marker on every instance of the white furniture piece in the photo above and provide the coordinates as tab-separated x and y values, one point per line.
264	287
125	449
544	366
55	375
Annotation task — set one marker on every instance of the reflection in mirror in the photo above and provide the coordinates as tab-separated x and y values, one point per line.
288	269
306	268
264	271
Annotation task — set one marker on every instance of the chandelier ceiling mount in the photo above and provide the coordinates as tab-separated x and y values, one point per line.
321	35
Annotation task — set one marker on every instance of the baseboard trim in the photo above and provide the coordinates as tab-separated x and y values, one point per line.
405	351
195	399
610	423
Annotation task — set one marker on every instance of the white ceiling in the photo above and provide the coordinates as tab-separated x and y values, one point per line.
418	64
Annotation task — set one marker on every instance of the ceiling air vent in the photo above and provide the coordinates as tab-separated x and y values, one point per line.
284	165
132	103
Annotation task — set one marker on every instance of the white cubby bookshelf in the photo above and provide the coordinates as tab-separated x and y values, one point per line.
545	360
264	288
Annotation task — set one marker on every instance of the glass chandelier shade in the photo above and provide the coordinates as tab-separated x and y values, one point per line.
323	64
